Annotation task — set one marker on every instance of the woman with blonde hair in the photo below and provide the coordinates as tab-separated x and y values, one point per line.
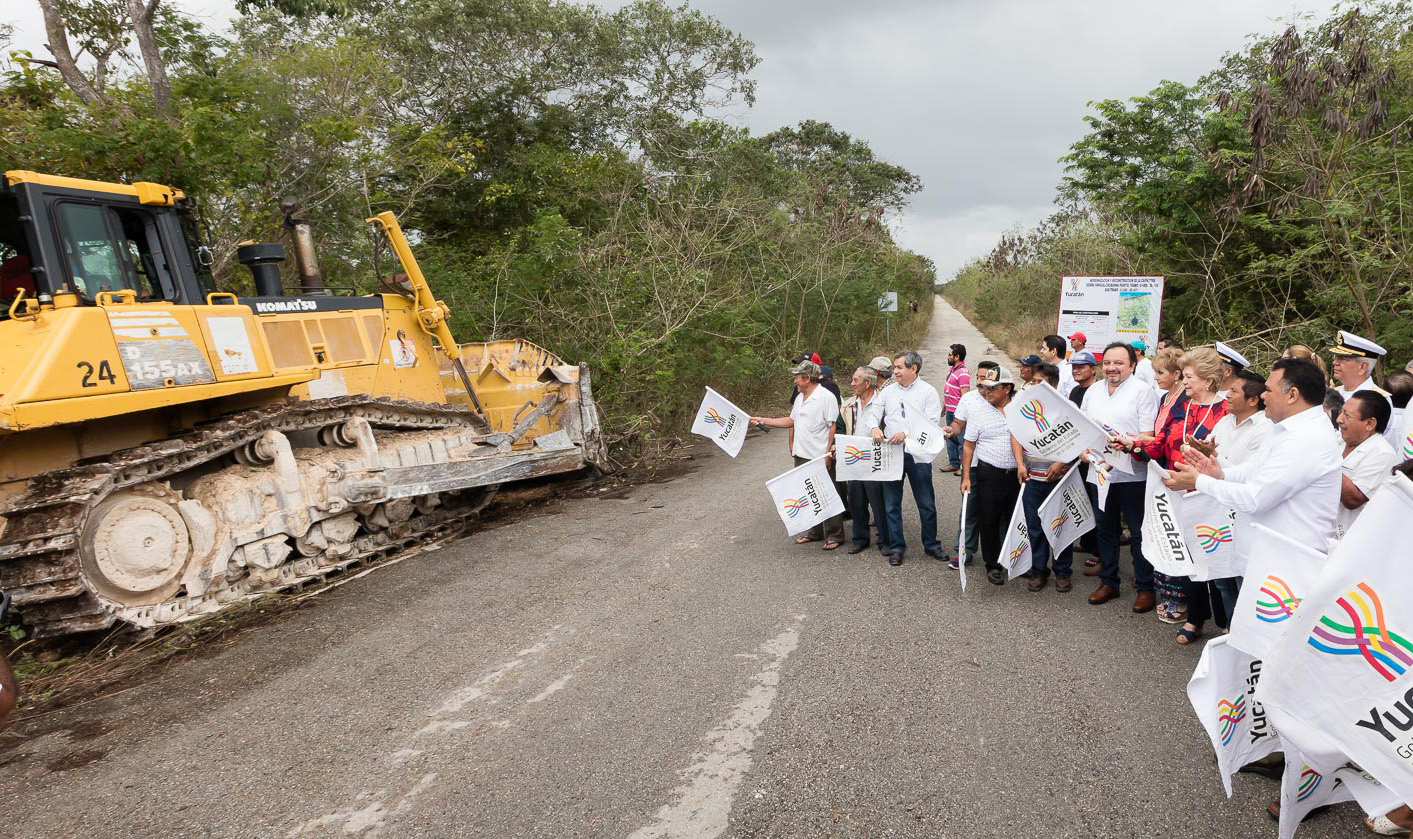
1302	351
1202	374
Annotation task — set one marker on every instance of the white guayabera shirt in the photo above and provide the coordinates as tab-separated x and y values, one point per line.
1131	409
895	403
1292	485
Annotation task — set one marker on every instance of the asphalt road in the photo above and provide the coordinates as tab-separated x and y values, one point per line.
665	664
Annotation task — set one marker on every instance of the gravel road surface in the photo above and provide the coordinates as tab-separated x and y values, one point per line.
662	664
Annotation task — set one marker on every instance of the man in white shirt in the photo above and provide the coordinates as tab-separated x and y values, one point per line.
907	398
1367	455
1292	485
811	423
970	402
1127	407
1243	431
1354	362
1052	351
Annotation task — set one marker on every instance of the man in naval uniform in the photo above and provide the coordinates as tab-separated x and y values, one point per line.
1233	362
1354	361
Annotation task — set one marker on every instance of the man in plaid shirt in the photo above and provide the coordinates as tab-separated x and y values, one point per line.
958	383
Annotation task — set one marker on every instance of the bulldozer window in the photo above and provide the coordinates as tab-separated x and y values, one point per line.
15	264
110	248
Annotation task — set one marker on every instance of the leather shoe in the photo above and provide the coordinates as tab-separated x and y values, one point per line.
857	549
1093	570
996	576
1144	602
1038	581
1103	594
895	559
1063	584
940	556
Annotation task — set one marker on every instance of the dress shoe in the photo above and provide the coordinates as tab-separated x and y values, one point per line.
895	559
1144	602
996	576
1063	584
857	549
1094	569
1038	581
939	555
1103	594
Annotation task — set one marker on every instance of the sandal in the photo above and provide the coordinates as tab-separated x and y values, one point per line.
1384	826
1186	636
805	540
833	546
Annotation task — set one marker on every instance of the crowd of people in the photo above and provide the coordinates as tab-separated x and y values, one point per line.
1300	450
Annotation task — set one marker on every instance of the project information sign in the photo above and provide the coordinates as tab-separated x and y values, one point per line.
1108	309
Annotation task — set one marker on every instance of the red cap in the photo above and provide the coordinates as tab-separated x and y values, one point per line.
1079	336
815	358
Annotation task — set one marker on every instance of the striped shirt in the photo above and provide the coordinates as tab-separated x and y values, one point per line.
958	383
987	428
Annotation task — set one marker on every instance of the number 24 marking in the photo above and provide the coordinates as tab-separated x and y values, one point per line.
105	373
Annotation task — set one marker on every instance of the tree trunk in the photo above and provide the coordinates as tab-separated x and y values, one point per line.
142	14
63	58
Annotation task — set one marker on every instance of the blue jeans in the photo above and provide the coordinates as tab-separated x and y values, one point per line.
1125	499
1032	496
919	476
863	496
954	444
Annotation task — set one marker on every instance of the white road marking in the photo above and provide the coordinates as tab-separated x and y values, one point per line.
551	689
370	819
702	803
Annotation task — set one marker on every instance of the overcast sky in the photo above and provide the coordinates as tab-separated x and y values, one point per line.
978	97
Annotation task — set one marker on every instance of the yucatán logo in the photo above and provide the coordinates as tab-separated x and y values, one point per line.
1211	538
1230	713
1162	505
793	506
1360	630
1276	602
726	423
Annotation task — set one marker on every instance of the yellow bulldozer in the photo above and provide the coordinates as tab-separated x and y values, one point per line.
168	450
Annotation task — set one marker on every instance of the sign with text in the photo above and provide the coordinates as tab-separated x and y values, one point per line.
722	422
805	496
861	459
1110	309
1065	514
1049	426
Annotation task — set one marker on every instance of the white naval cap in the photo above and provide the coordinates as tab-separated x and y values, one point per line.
1232	355
1347	343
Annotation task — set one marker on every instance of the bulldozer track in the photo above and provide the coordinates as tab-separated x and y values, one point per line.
39	549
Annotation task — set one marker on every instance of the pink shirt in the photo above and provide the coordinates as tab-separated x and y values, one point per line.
958	383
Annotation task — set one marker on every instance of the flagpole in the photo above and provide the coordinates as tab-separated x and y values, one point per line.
962	543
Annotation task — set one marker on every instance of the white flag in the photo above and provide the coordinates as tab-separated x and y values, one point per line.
1102	482
925	441
861	459
1223	693
1015	548
1066	514
1210	533
805	496
1049	426
1340	678
722	422
1163	544
1303	788
1279	574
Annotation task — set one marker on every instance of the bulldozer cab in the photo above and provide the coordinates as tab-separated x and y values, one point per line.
70	236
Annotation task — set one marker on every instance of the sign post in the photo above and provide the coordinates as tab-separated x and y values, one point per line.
888	304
